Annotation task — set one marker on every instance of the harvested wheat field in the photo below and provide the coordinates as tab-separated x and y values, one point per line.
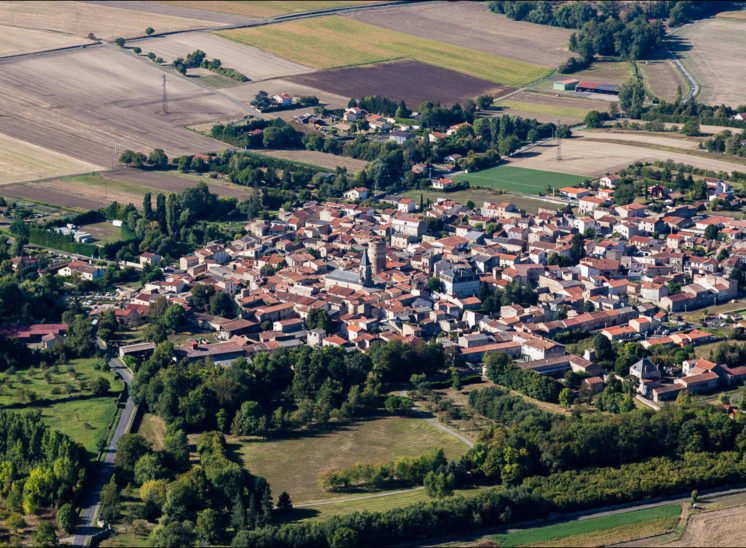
472	25
81	18
159	181
83	103
715	60
673	140
662	79
316	158
550	107
410	81
17	41
22	161
264	9
252	62
593	158
716	528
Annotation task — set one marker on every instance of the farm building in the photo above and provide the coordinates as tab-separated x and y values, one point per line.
443	183
597	87
565	85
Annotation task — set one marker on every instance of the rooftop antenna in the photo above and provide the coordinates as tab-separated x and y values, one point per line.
165	97
559	141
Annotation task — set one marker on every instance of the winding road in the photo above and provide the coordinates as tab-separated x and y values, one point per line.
88	526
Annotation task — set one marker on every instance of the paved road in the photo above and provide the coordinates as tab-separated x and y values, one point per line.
87	526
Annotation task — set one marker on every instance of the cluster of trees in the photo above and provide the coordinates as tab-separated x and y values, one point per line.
287	389
157	159
512	293
178	224
403	471
502	370
680	112
212	502
198	58
727	142
497	404
39	467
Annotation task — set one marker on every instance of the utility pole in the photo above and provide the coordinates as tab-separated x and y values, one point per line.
165	97
559	141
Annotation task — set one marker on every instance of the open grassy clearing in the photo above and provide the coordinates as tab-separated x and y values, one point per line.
528	181
57	382
536	535
480	195
472	25
373	441
316	158
334	41
264	9
565	112
153	429
23	161
596	157
104	232
176	181
715	59
85	421
662	79
80	18
735	14
252	62
215	81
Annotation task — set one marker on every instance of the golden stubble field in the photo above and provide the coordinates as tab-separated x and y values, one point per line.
17	40
22	161
80	18
252	62
716	59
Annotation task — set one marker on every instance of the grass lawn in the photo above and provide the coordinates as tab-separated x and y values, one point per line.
613	72
539	108
98	180
519	179
378	504
537	535
334	41
480	195
373	441
104	232
60	382
153	429
85	421
217	81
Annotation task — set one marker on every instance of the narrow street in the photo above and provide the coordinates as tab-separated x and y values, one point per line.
88	526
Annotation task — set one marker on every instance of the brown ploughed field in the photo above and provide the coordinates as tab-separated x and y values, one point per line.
410	81
472	25
70	195
84	103
17	41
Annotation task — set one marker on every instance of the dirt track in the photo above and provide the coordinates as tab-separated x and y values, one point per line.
252	62
472	25
81	102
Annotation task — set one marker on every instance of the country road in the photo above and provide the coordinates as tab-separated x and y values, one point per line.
88	526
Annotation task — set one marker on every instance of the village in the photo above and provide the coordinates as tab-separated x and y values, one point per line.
383	273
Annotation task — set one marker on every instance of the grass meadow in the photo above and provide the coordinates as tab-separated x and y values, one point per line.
334	41
373	441
665	518
518	179
539	108
85	421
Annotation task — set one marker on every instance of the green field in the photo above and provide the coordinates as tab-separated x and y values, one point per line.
54	383
539	108
547	533
85	421
373	441
519	179
98	180
334	41
479	195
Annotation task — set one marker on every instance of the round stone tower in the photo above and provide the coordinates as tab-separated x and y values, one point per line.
377	254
